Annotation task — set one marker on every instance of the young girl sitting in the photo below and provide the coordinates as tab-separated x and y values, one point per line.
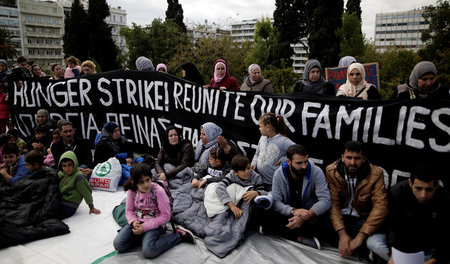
216	170
147	211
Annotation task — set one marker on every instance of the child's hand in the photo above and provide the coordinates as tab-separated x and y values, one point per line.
277	163
138	229
162	177
200	184
194	183
94	210
236	211
249	195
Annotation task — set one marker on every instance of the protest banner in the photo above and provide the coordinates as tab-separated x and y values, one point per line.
398	135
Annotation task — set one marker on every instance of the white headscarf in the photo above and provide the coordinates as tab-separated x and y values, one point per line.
350	90
250	69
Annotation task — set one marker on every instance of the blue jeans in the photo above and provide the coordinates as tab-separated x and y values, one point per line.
153	244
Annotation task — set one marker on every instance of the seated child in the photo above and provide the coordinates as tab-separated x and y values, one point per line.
14	167
15	138
34	160
39	141
216	170
4	138
243	175
73	185
147	211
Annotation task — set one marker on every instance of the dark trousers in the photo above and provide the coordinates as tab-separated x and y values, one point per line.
275	224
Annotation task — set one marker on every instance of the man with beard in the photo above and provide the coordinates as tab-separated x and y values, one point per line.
70	142
300	199
359	199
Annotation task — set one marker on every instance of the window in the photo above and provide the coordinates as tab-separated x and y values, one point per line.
47	20
57	42
50	52
38	19
31	52
49	41
39	41
41	52
29	18
30	41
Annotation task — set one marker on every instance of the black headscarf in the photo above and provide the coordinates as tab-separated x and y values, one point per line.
192	73
171	150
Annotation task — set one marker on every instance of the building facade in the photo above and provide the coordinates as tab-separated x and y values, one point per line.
42	28
118	19
244	31
9	20
400	29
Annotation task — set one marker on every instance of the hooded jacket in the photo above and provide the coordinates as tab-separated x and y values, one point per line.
74	187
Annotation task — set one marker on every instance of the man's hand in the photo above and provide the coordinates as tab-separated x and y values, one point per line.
86	171
344	244
250	195
357	241
194	183
295	222
277	163
305	214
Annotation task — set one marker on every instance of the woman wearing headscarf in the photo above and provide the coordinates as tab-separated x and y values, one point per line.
111	143
44	121
255	82
222	78
144	64
177	152
313	81
191	73
346	61
161	67
356	85
422	84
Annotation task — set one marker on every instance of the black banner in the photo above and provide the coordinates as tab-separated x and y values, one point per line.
398	135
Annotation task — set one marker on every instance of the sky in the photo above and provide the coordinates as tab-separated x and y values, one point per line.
142	12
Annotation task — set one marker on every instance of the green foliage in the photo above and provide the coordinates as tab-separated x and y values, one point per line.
207	50
9	2
353	7
437	35
102	48
76	39
264	40
283	79
159	41
175	13
8	48
323	42
352	40
292	19
395	65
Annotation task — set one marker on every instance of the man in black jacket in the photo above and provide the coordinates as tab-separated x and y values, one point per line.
419	216
69	141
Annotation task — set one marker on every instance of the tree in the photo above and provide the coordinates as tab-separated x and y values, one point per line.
75	30
323	42
353	7
352	40
159	41
8	48
264	39
102	48
9	2
175	12
292	19
437	35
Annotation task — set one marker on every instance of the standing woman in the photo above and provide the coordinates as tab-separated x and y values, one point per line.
255	82
356	85
44	121
313	81
222	78
191	73
175	151
58	72
272	147
88	67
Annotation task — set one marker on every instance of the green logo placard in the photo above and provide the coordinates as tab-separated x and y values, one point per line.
104	169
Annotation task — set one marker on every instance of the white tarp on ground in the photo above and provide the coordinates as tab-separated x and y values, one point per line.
92	235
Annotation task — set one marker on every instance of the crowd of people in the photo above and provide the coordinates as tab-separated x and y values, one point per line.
347	205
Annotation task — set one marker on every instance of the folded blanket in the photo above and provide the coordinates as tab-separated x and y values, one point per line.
212	202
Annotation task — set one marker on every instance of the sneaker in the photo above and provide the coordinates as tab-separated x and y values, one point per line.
311	241
186	235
